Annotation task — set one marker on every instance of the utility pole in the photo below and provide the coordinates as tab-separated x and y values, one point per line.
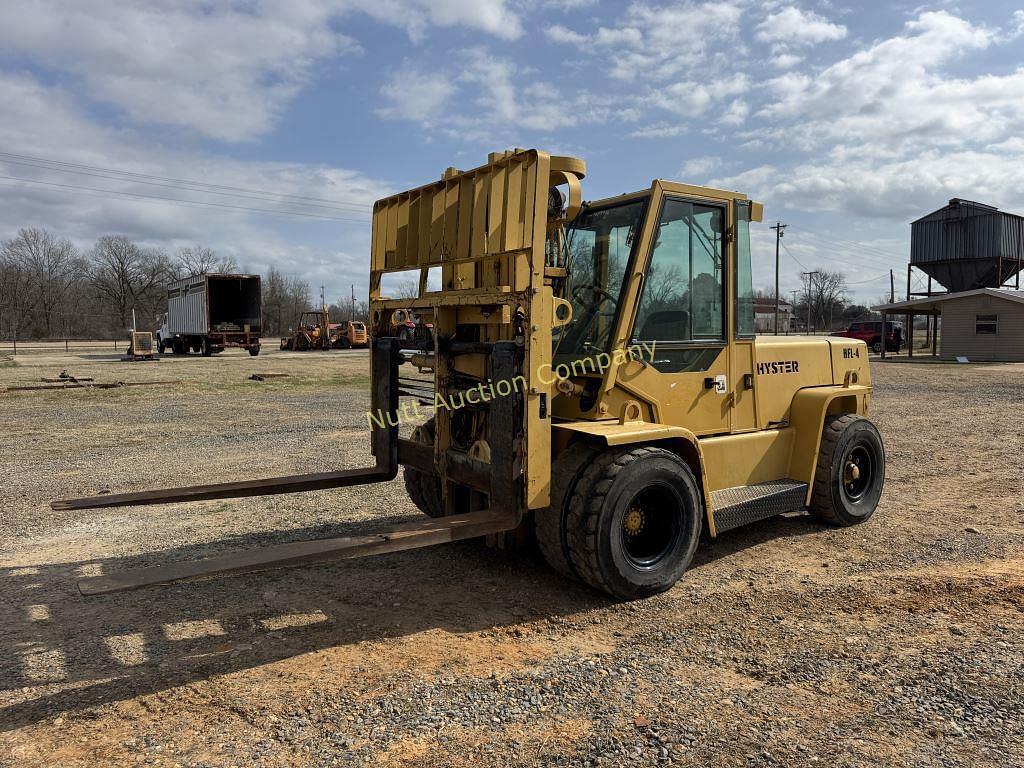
807	295
353	301
779	227
892	287
792	308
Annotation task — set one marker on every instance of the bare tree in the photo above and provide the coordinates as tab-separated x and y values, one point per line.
826	295
407	289
343	309
199	260
128	276
49	268
14	294
285	297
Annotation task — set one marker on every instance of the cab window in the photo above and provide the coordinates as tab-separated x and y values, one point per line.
683	297
744	273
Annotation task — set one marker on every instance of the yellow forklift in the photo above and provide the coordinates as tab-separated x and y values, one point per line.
596	381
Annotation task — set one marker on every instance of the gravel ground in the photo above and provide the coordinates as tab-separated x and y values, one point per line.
895	643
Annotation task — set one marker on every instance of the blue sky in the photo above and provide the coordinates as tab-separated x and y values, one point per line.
847	120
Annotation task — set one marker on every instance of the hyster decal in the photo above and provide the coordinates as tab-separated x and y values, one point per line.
778	366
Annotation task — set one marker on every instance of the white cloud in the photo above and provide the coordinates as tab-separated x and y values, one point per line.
225	71
792	25
499	100
737	113
888	132
895	95
49	117
697	168
786	60
415	95
1017	25
569	5
899	189
660	130
657	41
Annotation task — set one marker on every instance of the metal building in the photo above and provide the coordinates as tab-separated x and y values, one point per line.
972	250
984	324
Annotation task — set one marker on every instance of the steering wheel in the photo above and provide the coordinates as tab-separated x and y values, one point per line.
599	294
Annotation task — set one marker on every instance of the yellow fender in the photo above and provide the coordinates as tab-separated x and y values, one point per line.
807	417
677	439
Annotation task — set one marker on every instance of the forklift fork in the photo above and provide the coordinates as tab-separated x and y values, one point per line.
504	514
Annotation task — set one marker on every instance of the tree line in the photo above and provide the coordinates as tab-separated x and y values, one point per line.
824	303
49	288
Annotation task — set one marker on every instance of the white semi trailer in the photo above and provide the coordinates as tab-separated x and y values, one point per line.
208	313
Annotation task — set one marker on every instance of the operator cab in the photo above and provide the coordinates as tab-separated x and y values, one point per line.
683	269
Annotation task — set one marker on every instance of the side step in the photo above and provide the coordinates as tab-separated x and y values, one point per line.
734	507
413	535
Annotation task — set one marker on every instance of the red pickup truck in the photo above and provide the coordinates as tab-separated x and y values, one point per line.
870	331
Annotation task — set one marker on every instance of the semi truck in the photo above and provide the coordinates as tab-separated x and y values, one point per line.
208	313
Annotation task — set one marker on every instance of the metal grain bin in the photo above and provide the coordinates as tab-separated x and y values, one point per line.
967	245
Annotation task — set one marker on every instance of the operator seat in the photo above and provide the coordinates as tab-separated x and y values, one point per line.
666	325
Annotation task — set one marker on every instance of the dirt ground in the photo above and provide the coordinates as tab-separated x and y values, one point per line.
899	642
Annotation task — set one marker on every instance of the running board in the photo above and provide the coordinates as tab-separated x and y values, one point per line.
425	533
734	507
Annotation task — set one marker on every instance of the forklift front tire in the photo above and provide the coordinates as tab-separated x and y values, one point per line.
550	522
634	521
850	473
424	488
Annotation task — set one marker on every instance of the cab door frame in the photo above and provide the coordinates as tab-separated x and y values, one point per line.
649	384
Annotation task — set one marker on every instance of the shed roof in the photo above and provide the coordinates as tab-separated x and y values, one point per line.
932	303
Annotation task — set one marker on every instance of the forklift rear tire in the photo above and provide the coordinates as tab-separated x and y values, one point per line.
254	351
634	521
550	522
424	488
850	473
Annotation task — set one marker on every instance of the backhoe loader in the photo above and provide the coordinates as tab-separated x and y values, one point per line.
595	380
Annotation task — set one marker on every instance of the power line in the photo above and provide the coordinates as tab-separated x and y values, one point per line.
178	200
856	282
859	245
176	186
870	280
794	258
849	251
135	174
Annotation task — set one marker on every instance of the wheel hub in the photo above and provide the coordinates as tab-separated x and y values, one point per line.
633	522
857	473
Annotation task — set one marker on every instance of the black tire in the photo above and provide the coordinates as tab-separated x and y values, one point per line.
204	348
850	473
550	522
619	482
876	346
253	351
424	488
160	346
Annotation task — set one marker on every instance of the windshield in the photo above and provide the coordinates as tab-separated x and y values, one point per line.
600	242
